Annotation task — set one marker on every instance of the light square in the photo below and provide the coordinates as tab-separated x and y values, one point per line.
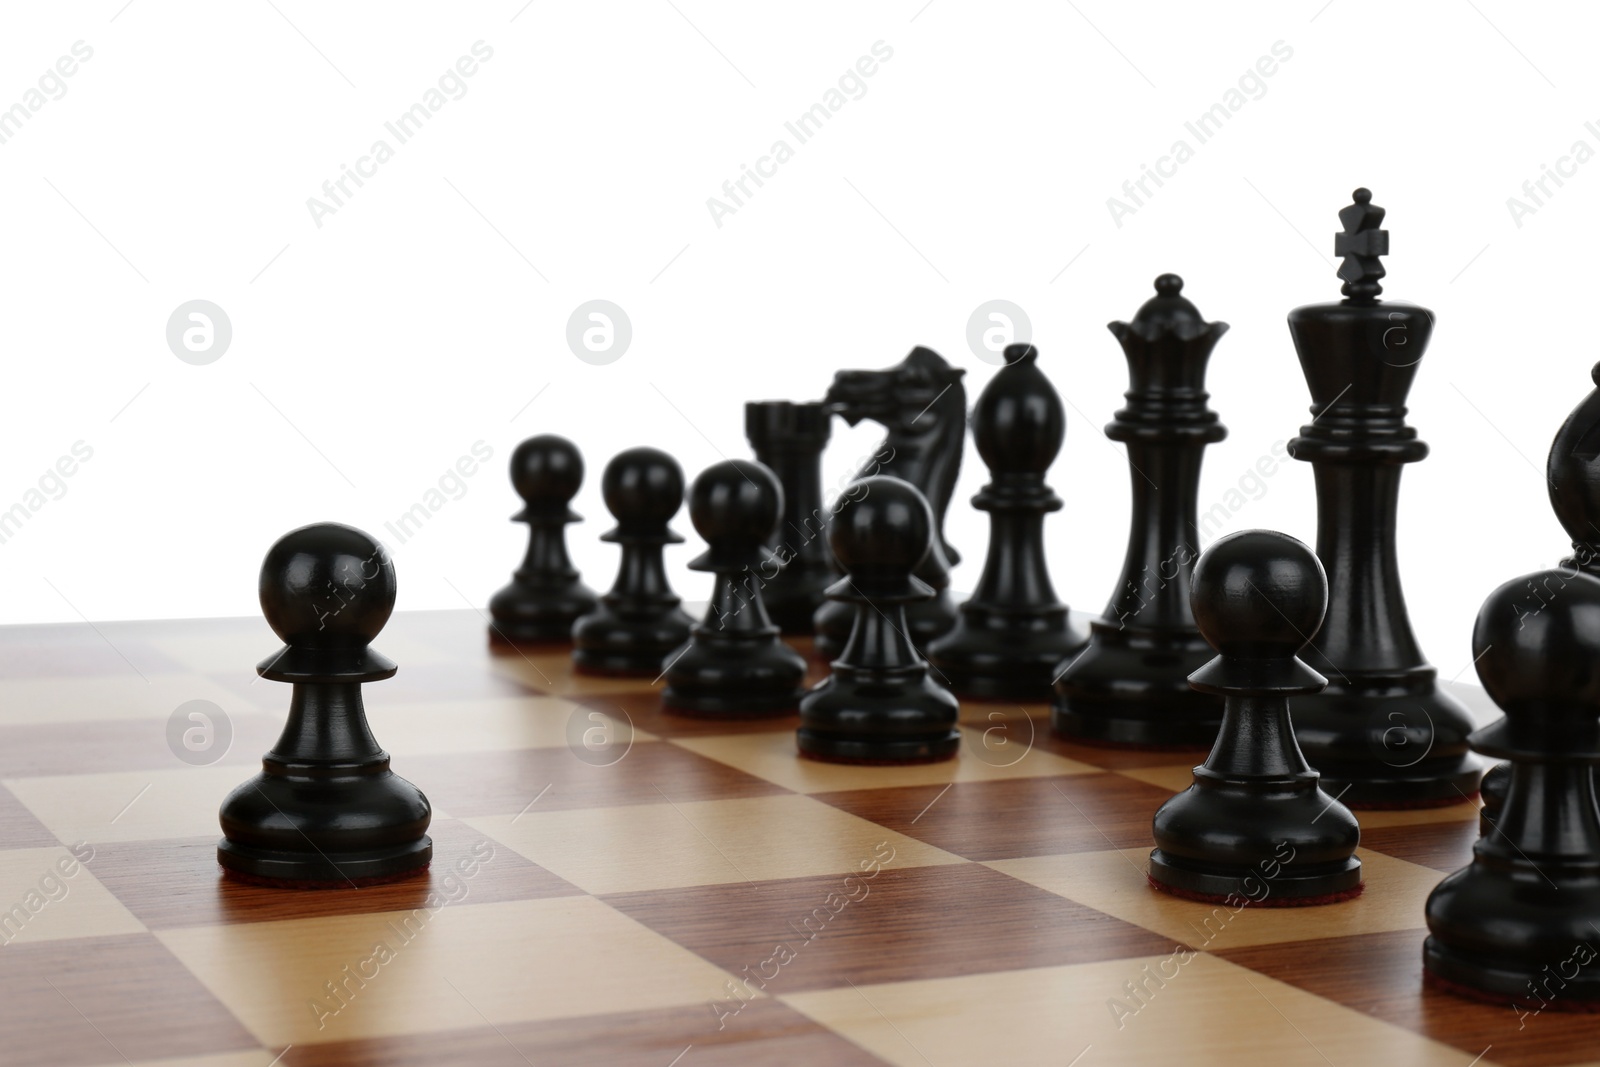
521	961
668	845
1052	1016
1115	882
775	757
40	903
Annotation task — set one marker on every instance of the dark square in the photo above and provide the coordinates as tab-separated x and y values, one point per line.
100	1000
763	1032
907	923
1381	975
508	782
1015	817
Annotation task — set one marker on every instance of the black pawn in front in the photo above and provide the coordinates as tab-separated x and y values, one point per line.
546	595
788	439
1013	634
1131	685
1520	922
1383	734
639	622
1256	826
879	705
734	665
325	811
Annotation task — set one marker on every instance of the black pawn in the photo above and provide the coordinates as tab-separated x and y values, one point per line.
1520	921
1013	635
1131	685
638	623
879	705
1256	824
546	595
788	439
1383	733
734	665
325	811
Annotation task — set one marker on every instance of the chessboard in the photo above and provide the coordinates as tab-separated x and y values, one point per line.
613	885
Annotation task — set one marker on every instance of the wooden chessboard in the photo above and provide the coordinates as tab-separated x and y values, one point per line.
606	878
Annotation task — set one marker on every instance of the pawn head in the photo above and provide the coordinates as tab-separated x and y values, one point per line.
1259	594
327	588
1258	597
880	533
1537	642
643	487
546	472
735	505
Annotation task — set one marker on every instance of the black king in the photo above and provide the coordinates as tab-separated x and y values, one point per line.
1383	734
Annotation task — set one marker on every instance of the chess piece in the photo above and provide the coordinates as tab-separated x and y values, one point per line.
638	623
788	440
1572	478
1383	733
1131	684
1526	909
922	404
545	596
734	665
1012	635
879	705
1255	825
325	811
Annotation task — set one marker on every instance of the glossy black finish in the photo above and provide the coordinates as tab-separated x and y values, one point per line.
1256	823
1518	920
788	439
1572	478
923	405
734	664
1383	733
1013	634
546	595
326	808
879	705
638	623
1131	685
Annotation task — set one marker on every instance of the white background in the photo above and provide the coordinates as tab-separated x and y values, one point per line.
429	312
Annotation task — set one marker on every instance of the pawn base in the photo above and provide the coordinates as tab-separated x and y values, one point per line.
627	645
1387	740
1264	902
314	870
1339	880
831	748
719	676
525	614
1131	689
1439	786
985	659
1477	978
